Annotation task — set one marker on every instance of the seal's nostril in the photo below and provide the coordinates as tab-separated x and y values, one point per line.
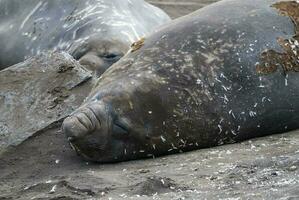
71	139
85	121
73	128
93	113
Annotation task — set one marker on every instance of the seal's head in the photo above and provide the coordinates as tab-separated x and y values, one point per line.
98	54
121	120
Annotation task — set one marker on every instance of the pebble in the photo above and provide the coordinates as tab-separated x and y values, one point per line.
293	168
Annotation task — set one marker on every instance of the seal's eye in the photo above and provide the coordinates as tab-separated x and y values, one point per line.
112	57
120	128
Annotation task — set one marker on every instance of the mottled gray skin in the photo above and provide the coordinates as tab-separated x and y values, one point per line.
191	85
96	32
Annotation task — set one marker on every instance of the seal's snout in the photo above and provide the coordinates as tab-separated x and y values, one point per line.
82	123
88	120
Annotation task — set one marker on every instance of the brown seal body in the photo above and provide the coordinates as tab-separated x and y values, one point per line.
199	82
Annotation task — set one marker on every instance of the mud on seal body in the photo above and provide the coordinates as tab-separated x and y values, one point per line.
196	83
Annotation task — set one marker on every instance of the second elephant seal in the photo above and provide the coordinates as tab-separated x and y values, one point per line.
97	33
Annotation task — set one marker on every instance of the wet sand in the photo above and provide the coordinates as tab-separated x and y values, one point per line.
45	167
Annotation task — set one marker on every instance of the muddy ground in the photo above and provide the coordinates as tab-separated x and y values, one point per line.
45	168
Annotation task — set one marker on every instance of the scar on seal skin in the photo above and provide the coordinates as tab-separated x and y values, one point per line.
288	60
137	45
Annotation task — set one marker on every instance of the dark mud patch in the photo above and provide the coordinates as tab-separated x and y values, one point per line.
59	95
64	68
137	45
272	60
154	185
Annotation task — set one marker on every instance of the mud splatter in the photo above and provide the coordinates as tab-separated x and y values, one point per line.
65	67
137	45
288	60
154	185
59	95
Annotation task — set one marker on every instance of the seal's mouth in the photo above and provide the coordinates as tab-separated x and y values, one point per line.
76	149
87	139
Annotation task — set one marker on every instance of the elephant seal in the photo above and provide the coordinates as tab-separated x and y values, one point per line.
97	33
203	80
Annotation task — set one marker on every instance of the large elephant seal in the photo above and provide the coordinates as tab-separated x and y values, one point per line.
206	79
95	32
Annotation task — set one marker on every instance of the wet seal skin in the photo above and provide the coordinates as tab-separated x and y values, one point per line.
96	33
192	84
288	60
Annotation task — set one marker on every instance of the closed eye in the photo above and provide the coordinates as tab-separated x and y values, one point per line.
112	57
